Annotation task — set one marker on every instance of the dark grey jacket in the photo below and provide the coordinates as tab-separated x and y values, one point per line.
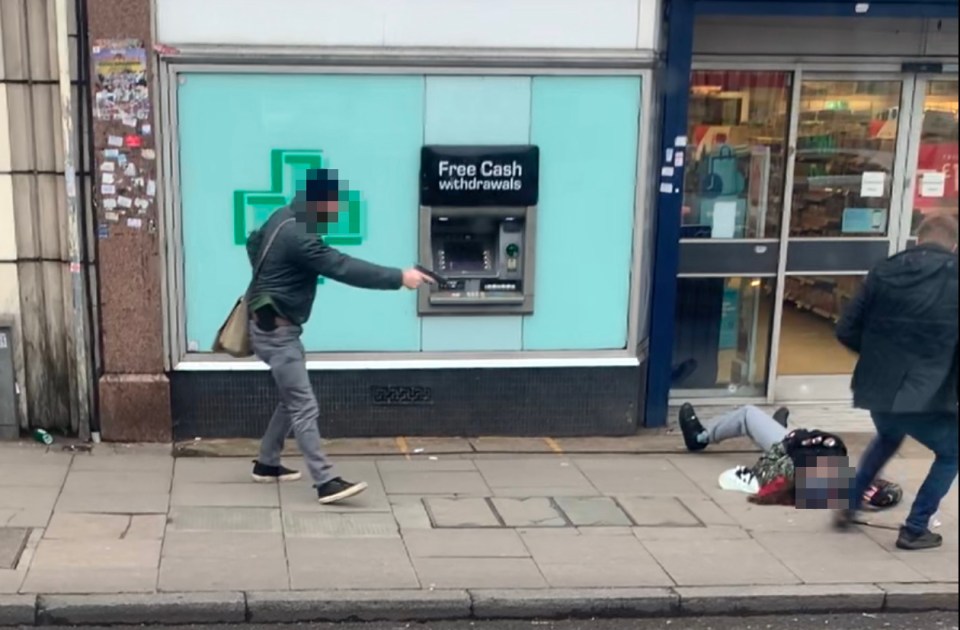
903	323
288	278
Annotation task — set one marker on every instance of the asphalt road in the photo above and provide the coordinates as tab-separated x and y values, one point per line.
926	621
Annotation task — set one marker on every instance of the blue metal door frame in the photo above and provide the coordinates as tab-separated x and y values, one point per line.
679	18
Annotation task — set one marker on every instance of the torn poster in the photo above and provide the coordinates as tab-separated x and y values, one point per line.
121	91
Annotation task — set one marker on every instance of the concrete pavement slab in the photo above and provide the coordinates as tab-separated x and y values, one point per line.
78	526
110	580
529	512
739	600
132	482
94	502
146	527
95	554
224	495
698	562
442	573
34	474
465	543
719	532
658	512
593	512
317	606
510	445
17	610
594	561
173	608
650	476
217	561
410	513
929	596
223	546
30	506
460	512
337	525
707	511
10	581
224	519
830	557
212	470
435	483
133	460
360	563
575	603
544	476
422	463
13	540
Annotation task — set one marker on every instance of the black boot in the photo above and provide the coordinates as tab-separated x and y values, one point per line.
691	428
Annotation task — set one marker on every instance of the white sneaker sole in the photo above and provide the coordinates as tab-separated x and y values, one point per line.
352	491
268	479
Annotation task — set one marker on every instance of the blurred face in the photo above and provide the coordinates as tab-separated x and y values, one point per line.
325	212
824	482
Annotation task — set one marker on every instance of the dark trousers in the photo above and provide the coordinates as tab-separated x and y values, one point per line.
936	431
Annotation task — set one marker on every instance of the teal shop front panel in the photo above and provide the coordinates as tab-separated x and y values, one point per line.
587	130
475	110
243	140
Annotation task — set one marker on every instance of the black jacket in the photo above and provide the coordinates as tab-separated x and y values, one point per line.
903	323
288	278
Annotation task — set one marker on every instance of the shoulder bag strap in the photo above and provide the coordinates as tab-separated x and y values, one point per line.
266	248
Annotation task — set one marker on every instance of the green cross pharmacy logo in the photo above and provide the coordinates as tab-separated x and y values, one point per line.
288	169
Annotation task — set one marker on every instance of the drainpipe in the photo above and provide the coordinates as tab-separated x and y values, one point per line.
79	311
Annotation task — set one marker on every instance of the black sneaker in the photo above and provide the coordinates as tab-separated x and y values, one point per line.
270	474
338	490
691	428
843	520
913	542
781	415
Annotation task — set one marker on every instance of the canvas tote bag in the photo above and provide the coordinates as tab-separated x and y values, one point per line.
233	338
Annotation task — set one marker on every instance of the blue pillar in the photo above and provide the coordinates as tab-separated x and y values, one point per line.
679	16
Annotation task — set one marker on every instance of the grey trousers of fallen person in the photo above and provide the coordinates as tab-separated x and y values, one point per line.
283	351
746	421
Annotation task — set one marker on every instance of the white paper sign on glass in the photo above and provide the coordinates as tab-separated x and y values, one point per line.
933	184
873	184
724	219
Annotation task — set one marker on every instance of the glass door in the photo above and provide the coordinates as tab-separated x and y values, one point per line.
733	202
846	187
932	175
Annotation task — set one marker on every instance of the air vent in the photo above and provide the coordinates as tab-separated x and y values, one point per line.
388	395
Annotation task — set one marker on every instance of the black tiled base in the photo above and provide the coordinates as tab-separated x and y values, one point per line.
455	402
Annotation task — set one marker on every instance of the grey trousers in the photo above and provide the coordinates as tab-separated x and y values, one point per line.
283	351
746	421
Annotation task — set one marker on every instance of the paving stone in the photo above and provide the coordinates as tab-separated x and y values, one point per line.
463	512
222	519
212	470
465	543
134	460
594	561
720	532
132	482
13	540
178	575
433	483
76	526
518	445
805	598
424	464
96	554
114	503
699	562
658	512
146	527
225	495
830	557
443	573
29	474
333	525
91	580
410	513
707	511
10	581
223	546
25	498
141	610
368	563
605	531
652	476
529	512
593	511
534	477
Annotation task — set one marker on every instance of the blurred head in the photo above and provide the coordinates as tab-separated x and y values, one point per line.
939	229
824	482
322	194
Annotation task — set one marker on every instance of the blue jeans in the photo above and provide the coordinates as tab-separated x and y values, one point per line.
936	431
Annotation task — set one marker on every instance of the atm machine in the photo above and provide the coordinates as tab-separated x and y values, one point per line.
478	228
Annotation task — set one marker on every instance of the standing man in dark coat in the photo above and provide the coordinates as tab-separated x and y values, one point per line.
903	323
280	300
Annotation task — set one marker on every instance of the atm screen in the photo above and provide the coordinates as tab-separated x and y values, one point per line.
464	256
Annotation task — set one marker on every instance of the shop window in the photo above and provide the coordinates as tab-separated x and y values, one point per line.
843	177
737	136
722	335
936	186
